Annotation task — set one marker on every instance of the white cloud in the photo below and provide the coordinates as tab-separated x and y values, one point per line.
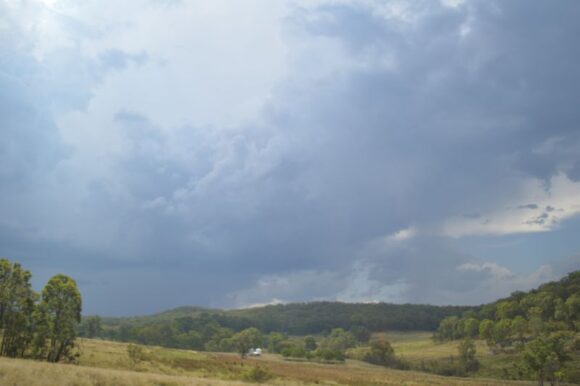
360	286
550	206
496	270
500	281
272	302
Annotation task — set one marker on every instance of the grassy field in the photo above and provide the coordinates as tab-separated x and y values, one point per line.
416	347
106	363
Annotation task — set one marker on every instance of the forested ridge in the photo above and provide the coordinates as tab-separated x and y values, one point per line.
552	307
542	326
310	317
292	319
555	303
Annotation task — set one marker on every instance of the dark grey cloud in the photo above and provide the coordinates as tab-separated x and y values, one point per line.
337	190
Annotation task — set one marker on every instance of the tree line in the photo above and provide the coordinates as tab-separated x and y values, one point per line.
200	329
42	326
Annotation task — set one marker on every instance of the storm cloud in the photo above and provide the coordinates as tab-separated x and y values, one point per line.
230	154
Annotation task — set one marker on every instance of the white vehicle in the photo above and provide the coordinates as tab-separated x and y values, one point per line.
255	352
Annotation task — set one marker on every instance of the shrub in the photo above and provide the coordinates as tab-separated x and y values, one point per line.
446	367
467	357
135	353
294	352
329	355
256	374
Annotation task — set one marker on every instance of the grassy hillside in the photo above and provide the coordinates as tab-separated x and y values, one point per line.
106	363
418	349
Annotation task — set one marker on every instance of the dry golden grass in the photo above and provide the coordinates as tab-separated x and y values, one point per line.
104	363
20	372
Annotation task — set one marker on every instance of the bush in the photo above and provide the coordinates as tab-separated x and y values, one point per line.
256	374
381	353
135	353
329	355
294	352
447	367
467	357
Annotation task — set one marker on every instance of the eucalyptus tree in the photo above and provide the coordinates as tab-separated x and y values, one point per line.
59	314
17	301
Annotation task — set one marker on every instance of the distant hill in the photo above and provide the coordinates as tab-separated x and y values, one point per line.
553	306
318	317
556	301
556	305
322	316
164	316
308	318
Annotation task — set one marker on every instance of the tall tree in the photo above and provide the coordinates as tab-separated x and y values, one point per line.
245	340
544	356
60	314
467	351
16	307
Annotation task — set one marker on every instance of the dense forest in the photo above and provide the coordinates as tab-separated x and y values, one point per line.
308	318
552	307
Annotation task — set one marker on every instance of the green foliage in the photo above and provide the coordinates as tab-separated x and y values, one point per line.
486	331
467	357
507	309
448	329
338	340
310	343
572	309
59	313
16	309
256	374
48	328
520	328
536	322
502	331
471	327
361	333
553	307
295	351
91	327
276	342
328	355
381	353
449	367
135	354
545	356
215	327
244	340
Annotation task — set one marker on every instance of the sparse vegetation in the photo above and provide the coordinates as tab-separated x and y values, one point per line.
105	363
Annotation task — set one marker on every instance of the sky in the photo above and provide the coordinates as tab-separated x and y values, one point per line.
236	153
